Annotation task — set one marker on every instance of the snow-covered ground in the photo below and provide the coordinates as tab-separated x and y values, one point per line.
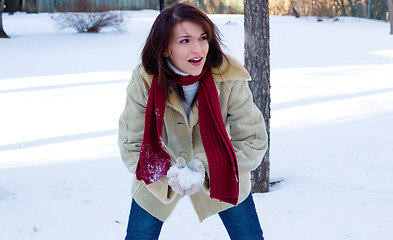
61	94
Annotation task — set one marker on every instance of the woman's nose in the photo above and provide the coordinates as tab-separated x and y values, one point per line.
197	47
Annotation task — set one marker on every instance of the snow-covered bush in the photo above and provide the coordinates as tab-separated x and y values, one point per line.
84	16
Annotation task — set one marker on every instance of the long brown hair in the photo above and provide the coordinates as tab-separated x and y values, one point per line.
159	38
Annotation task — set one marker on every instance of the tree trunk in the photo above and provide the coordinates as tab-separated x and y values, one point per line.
162	3
12	6
257	62
390	8
2	33
351	8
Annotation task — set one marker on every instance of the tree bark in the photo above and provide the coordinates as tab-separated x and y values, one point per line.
2	33
390	8
12	6
257	62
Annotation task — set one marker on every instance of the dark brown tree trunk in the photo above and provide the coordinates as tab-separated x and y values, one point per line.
257	62
390	8
12	6
2	33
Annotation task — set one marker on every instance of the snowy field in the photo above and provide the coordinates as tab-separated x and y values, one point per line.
61	93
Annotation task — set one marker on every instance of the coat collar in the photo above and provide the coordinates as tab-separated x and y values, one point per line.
230	70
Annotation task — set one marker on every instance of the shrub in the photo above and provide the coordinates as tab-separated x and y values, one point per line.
84	16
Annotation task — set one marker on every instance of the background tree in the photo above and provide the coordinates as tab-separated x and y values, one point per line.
165	3
390	7
257	62
12	6
378	9
2	33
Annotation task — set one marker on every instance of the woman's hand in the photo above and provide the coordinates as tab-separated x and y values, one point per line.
186	180
173	175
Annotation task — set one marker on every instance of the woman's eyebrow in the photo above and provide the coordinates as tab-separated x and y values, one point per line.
188	36
184	36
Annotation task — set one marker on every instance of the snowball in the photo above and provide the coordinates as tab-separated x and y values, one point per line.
186	176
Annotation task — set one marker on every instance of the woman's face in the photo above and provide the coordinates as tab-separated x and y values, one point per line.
188	47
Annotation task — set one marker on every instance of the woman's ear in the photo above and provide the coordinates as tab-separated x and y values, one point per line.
165	54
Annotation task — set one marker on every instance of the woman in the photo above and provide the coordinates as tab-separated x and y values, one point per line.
190	128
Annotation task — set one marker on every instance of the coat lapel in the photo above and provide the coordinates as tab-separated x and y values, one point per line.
194	112
173	102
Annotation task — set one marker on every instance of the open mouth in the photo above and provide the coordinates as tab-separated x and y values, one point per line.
195	60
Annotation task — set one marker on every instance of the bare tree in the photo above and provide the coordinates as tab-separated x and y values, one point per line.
257	62
13	6
2	33
390	8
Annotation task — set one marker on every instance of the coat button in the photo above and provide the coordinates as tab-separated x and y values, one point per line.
184	155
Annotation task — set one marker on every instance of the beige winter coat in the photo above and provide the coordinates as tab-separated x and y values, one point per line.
181	137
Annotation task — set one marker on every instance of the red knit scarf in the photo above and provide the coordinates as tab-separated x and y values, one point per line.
154	161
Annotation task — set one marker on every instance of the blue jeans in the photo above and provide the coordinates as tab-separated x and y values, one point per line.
241	222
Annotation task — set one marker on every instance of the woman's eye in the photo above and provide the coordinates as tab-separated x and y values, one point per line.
204	38
184	41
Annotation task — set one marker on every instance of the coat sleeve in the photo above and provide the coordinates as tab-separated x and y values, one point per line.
246	127
131	122
131	128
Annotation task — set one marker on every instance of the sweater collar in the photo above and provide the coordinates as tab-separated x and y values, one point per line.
175	70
